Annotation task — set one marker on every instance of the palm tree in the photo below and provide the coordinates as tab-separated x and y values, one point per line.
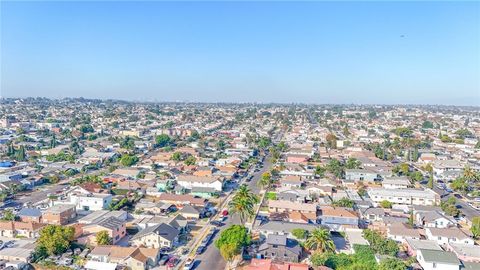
320	240
243	203
265	180
470	174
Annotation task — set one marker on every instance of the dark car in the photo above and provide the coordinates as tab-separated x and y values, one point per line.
217	223
200	250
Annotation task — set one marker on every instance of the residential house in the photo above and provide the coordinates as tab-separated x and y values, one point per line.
181	200
204	192
30	215
465	252
338	218
91	201
269	264
158	236
279	247
20	229
115	227
296	158
135	258
433	219
400	232
283	228
364	175
413	245
190	212
16	254
291	181
396	182
191	181
406	196
60	214
97	216
436	259
444	236
276	207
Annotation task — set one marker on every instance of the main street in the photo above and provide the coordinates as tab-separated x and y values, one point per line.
211	258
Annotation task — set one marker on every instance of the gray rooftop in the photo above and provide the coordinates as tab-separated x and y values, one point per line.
438	256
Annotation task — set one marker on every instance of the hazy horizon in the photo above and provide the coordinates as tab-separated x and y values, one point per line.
362	53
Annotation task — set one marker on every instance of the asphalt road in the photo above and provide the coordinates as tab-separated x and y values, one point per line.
466	209
211	258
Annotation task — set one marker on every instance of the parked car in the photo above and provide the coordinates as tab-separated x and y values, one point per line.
172	262
189	264
217	223
200	250
163	260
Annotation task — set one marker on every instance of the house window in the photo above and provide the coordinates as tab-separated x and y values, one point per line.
275	246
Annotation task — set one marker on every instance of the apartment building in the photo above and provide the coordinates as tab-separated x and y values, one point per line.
406	196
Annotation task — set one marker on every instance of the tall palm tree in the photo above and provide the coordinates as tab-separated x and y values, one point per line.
265	180
243	203
470	174
320	240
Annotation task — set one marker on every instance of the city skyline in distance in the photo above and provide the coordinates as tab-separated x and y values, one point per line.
313	53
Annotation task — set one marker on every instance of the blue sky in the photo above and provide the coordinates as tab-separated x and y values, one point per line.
312	52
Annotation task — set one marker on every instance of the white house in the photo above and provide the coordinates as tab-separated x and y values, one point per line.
91	201
407	196
448	235
192	181
433	219
396	183
437	260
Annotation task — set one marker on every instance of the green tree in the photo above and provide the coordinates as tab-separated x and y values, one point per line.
380	244
319	259
190	160
331	141
177	156
460	184
430	182
163	140
103	238
386	204
128	160
9	215
229	251
470	175
343	202
335	167
320	171
402	169
231	240
403	132
352	163
475	228
300	233
221	145
20	154
427	124
449	207
411	219
416	176
265	180
55	239
320	240
392	264
53	142
264	142
243	203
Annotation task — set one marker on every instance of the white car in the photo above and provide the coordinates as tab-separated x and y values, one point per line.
189	264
